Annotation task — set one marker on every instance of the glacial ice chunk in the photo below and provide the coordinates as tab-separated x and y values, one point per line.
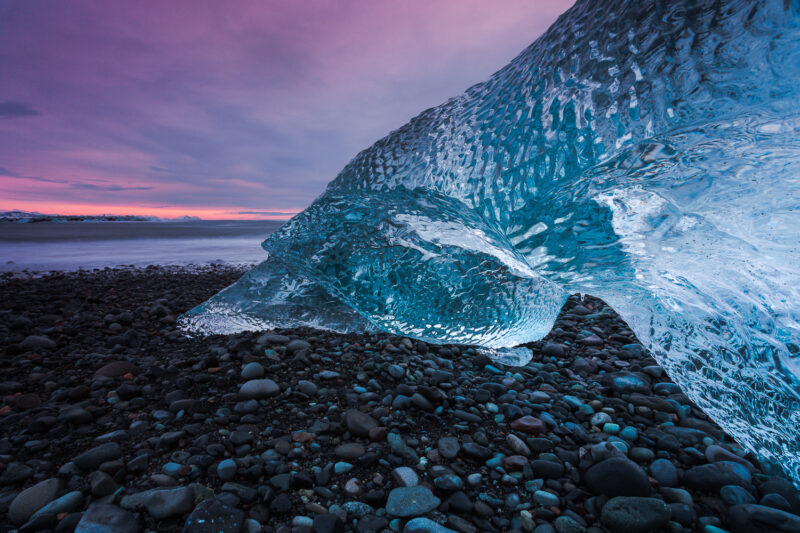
644	152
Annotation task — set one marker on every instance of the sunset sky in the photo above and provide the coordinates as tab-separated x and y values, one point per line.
226	109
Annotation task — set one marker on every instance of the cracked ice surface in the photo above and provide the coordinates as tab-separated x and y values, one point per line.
644	152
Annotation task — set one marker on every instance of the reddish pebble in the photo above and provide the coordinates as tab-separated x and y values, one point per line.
377	434
28	401
303	436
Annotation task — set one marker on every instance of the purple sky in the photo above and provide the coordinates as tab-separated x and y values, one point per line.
222	108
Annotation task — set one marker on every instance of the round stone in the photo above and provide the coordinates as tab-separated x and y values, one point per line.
545	499
411	501
259	388
448	447
252	371
226	470
735	495
635	515
664	472
617	476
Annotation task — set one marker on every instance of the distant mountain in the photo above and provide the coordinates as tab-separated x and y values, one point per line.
26	217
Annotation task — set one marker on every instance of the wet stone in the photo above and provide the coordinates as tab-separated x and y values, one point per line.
411	501
359	423
635	515
259	388
91	459
529	424
617	476
105	518
448	447
214	516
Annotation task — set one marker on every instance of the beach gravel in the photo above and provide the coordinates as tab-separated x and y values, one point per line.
113	420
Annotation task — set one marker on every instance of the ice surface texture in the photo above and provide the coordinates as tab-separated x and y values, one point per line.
646	152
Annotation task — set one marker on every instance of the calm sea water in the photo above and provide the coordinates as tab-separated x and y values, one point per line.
85	245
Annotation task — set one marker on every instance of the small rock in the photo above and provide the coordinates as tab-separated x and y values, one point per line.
68	503
16	472
307	387
328	523
252	371
448	447
117	369
405	476
624	514
91	459
32	499
105	518
161	503
399	446
664	472
425	525
259	388
226	469
411	501
751	517
38	342
297	345
214	516
712	477
617	476
529	424
359	423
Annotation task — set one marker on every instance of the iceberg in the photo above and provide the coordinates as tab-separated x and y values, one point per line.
644	152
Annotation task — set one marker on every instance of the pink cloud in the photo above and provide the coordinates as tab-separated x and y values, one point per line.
250	104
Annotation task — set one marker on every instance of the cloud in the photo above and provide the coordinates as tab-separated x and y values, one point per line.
113	188
14	109
6	173
78	185
263	213
234	107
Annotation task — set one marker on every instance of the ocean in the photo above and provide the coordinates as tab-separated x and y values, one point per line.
67	246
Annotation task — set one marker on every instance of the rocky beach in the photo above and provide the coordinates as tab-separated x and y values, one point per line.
113	420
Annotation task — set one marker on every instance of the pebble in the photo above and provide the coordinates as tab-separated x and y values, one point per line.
297	345
529	424
328	523
259	388
214	516
448	447
68	503
307	387
359	423
425	525
617	476
38	342
664	472
252	371
32	499
161	503
411	501
635	515
226	470
106	518
712	477
546	499
752	517
517	445
91	459
405	476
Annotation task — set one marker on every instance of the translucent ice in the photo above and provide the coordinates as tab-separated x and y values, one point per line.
646	152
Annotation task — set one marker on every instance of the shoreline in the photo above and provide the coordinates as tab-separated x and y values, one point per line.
114	415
